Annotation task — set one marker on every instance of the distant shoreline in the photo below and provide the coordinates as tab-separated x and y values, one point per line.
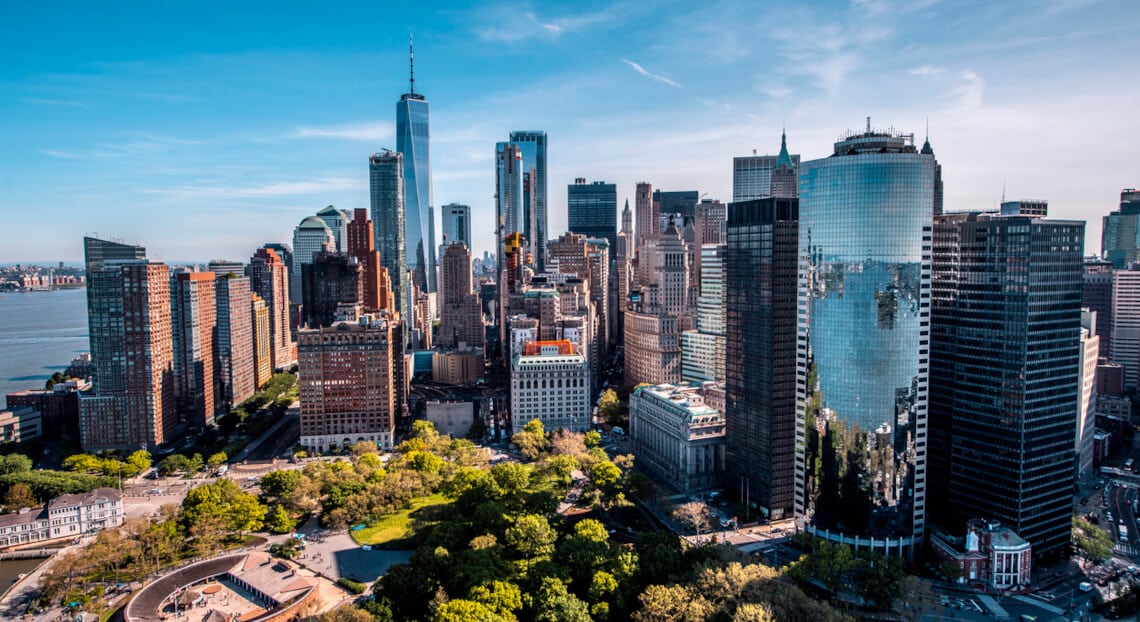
50	289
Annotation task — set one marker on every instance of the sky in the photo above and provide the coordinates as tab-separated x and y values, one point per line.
203	130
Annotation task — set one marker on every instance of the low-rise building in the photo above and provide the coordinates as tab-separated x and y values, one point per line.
22	423
678	437
66	516
989	553
550	381
59	406
453	418
463	366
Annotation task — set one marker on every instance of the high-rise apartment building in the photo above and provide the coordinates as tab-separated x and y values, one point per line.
532	145
129	319
659	312
350	383
193	322
1096	295
310	237
386	181
460	313
1120	237
863	341
337	221
457	224
1086	405
268	278
509	189
759	328
592	209
413	140
377	286
236	361
752	175
1124	347
262	341
1006	354
331	280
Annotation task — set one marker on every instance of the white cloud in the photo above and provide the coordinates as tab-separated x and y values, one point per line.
364	132
968	95
658	77
507	24
68	155
927	70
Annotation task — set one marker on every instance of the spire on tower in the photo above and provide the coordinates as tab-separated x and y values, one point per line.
926	148
411	66
784	159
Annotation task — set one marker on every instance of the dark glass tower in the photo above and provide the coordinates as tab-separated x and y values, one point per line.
386	184
669	202
413	139
760	366
863	341
1005	362
592	209
1120	238
532	144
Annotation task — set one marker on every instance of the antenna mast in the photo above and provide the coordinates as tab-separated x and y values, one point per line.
411	66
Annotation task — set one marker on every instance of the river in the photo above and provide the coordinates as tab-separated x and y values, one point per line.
40	332
11	569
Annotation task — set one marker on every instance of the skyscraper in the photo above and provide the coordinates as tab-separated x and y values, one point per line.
193	322
1124	347
309	238
759	333
413	140
509	188
337	221
670	202
1097	296
1120	238
104	308
267	274
262	340
752	175
532	144
703	349
377	289
331	280
1006	355
865	223
457	224
647	224
592	209
386	182
236	360
460	314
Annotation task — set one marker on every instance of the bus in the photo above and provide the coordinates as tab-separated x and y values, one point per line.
1123	532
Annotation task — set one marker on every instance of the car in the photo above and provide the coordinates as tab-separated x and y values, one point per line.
156	491
1085	586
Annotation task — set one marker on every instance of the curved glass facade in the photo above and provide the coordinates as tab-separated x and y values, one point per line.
412	140
862	339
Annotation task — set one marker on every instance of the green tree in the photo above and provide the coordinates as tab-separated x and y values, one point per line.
592	439
279	521
511	477
465	611
19	496
531	536
15	463
612	409
84	463
139	460
424	461
217	460
280	484
1092	541
239	510
501	597
553	603
676	603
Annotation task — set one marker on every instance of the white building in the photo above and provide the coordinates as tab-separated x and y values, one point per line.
66	516
678	437
1124	347
550	381
337	221
1086	415
452	418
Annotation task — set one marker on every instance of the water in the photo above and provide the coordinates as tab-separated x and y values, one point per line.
40	332
11	569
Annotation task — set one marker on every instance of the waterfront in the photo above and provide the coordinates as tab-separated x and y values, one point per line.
11	569
40	332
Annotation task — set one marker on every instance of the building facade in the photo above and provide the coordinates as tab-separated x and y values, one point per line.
262	342
1086	405
864	296
1124	347
592	209
20	423
752	175
413	140
310	237
337	220
269	278
386	186
532	145
677	436
760	313
237	377
460	313
550	382
66	516
457	224
330	280
451	418
193	324
1120	236
703	349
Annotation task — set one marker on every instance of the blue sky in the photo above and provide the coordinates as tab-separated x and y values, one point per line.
203	130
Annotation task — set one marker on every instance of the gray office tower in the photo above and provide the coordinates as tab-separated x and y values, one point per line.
533	147
752	175
683	202
863	341
592	209
413	139
1120	237
760	366
457	224
1005	373
386	186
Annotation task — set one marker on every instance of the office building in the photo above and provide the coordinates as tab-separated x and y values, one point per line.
509	188
462	366
20	423
350	383
864	228
1096	295
460	314
337	221
1036	208
386	185
674	202
758	321
193	322
1124	347
1120	237
128	306
703	350
550	382
678	438
457	224
268	278
262	341
592	209
752	175
310	237
330	280
648	220
532	145
1086	405
1006	360
236	361
413	141
623	270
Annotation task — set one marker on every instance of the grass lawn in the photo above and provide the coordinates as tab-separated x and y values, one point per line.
398	527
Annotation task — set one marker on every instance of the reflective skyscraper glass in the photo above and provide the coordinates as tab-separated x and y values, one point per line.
863	335
532	144
413	140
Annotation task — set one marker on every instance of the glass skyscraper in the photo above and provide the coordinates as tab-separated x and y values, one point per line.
457	224
1120	238
532	144
592	209
863	341
413	136
386	183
